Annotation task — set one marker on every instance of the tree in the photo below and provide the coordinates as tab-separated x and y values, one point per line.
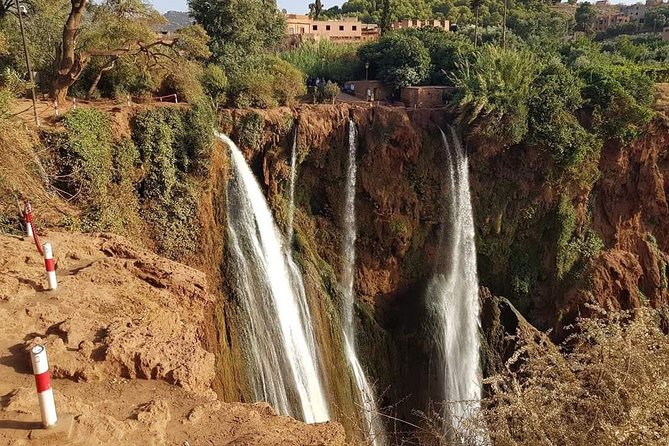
315	9
117	29
585	17
398	59
239	29
385	16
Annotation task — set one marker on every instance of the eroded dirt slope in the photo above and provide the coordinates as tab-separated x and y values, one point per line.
123	333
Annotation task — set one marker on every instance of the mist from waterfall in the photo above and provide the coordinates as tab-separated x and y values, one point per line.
283	358
373	426
453	293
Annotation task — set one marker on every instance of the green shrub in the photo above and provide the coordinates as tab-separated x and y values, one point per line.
184	80
6	101
327	60
89	146
555	95
156	132
573	247
493	93
397	59
250	130
288	82
215	83
328	92
175	221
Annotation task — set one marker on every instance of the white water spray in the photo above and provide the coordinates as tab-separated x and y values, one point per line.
454	293
293	177
373	426
279	330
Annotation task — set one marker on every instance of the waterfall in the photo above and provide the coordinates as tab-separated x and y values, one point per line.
373	426
283	357
293	175
453	292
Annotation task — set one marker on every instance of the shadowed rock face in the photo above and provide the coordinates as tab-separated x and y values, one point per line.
400	208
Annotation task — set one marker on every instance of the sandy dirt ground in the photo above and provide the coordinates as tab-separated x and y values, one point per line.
123	335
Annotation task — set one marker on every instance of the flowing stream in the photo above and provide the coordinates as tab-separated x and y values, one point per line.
454	293
281	347
373	425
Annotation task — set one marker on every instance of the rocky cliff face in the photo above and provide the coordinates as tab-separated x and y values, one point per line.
552	241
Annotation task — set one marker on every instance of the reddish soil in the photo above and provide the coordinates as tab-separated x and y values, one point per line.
123	333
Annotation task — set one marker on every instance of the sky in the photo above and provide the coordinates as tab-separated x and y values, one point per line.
289	5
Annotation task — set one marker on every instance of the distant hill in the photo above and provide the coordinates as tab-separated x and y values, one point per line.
176	20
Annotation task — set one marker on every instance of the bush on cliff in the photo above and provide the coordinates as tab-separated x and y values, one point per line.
605	385
494	88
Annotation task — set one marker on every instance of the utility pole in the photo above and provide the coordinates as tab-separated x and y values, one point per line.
28	64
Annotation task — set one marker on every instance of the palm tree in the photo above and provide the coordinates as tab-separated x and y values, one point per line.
476	5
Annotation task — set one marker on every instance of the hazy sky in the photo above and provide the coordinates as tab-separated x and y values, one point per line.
289	5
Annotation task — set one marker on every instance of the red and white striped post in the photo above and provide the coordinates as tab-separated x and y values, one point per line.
55	106
50	266
28	216
47	405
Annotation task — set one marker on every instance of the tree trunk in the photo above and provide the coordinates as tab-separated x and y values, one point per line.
68	64
96	81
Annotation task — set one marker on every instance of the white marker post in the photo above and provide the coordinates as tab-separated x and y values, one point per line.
28	215
74	103
55	106
47	405
50	266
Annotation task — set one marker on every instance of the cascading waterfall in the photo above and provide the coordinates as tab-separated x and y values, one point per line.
293	175
373	426
279	329
453	292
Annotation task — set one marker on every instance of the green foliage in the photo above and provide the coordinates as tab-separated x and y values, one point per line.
173	142
250	130
573	247
6	101
90	145
446	50
397	59
620	96
174	146
215	83
276	83
554	97
239	28
493	92
328	92
327	60
184	80
585	17
288	82
174	218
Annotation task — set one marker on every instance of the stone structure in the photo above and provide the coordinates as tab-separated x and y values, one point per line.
607	21
426	97
339	31
409	23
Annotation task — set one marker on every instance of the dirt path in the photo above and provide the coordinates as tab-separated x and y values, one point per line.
123	335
